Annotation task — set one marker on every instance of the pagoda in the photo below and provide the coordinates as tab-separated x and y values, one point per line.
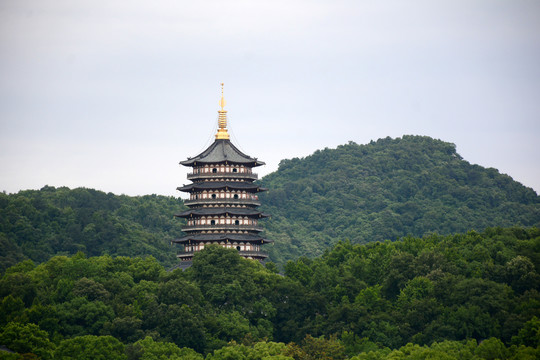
222	200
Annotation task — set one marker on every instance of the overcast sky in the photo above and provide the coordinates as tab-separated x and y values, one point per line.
112	94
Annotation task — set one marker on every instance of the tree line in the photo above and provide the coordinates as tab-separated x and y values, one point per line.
465	296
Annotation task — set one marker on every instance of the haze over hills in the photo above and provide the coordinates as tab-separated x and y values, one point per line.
382	190
385	190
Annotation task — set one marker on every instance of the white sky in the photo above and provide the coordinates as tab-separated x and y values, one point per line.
112	94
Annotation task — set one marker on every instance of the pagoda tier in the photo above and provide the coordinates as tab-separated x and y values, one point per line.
222	200
223	237
239	185
221	211
220	219
248	245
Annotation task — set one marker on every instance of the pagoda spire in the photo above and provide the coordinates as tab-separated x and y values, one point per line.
222	132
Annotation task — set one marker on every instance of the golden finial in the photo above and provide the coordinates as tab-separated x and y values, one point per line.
222	119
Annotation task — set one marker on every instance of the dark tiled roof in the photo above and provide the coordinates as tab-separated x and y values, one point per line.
220	237
221	210
222	151
215	185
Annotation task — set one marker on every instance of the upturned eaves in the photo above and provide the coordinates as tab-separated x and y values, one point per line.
222	151
221	211
222	237
218	185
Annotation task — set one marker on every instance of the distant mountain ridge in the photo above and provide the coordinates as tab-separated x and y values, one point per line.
385	190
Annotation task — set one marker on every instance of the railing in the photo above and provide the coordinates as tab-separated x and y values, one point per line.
230	175
233	201
251	253
254	253
185	254
222	227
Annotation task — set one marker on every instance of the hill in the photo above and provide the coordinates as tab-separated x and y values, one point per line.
38	224
387	189
382	190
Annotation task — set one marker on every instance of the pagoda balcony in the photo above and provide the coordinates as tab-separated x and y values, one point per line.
228	175
222	227
249	253
219	201
187	254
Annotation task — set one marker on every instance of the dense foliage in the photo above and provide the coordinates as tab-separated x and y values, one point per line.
470	296
385	190
37	224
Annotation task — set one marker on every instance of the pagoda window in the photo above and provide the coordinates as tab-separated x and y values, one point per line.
236	222
214	170
236	196
213	196
238	248
213	222
234	170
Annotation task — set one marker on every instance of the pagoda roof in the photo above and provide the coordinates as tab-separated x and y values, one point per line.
213	185
221	237
222	150
221	210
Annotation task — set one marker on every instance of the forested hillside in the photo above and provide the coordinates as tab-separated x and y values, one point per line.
38	224
385	190
468	296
